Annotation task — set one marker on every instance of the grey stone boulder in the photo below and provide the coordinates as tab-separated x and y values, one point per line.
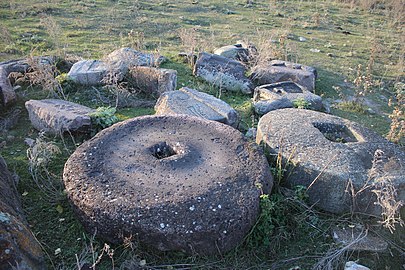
57	116
223	72
279	71
153	81
332	156
7	94
121	60
281	95
89	72
192	102
18	247
175	182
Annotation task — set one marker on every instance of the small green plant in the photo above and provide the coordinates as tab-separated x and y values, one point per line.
262	231
103	117
301	103
67	84
352	106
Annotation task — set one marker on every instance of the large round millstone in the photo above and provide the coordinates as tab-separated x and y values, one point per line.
339	161
175	182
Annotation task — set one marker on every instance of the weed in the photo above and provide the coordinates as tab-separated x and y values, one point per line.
336	255
103	117
301	103
386	194
54	31
43	73
352	106
66	83
136	40
40	153
397	128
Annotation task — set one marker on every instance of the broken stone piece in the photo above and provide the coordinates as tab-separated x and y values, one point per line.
223	72
88	72
57	116
281	95
153	81
279	71
192	102
121	60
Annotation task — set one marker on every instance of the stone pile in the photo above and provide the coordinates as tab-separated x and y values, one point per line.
118	64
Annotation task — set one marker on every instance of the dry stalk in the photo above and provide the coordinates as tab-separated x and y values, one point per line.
43	73
335	256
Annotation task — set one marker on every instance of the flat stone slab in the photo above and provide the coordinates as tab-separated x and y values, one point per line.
153	81
192	102
89	72
18	247
280	71
223	72
328	153
57	116
281	95
175	182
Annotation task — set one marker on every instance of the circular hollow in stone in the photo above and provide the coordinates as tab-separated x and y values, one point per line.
174	182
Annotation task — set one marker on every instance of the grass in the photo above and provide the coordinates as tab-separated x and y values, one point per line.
93	28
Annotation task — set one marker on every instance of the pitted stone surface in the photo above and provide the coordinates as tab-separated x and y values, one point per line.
192	102
18	247
56	116
223	72
177	182
279	71
327	152
281	95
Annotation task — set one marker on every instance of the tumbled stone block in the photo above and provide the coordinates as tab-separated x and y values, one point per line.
88	72
223	72
276	96
153	81
192	102
280	71
57	116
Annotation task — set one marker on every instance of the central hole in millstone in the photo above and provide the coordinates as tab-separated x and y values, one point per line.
335	132
162	150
